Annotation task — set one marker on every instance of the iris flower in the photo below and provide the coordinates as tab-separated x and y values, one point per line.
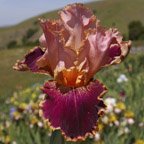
72	50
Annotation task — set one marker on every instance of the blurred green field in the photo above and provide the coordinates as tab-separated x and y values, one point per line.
10	79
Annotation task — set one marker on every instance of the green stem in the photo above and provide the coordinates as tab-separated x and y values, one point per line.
57	138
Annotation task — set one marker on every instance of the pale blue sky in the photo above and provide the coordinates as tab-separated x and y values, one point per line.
15	11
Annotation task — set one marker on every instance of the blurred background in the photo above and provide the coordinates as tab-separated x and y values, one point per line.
20	94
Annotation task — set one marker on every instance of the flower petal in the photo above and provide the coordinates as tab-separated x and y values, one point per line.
53	26
105	48
74	111
72	77
30	62
77	14
42	40
55	50
76	20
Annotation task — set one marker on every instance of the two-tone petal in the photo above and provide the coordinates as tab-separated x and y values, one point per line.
30	62
105	48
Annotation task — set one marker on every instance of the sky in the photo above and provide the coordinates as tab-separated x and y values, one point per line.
15	11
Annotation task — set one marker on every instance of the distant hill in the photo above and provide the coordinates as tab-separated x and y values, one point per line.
116	13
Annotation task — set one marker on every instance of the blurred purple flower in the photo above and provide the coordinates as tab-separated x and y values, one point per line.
12	110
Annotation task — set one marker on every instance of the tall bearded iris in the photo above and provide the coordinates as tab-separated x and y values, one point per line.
72	49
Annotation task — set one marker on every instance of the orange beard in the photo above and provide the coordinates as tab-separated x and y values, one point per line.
72	77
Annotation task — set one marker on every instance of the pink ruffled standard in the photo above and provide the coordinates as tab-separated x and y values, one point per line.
72	49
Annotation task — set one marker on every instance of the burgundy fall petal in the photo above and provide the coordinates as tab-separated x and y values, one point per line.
74	111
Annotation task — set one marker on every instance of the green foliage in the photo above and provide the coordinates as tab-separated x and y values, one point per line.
94	11
30	33
27	36
136	30
12	44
